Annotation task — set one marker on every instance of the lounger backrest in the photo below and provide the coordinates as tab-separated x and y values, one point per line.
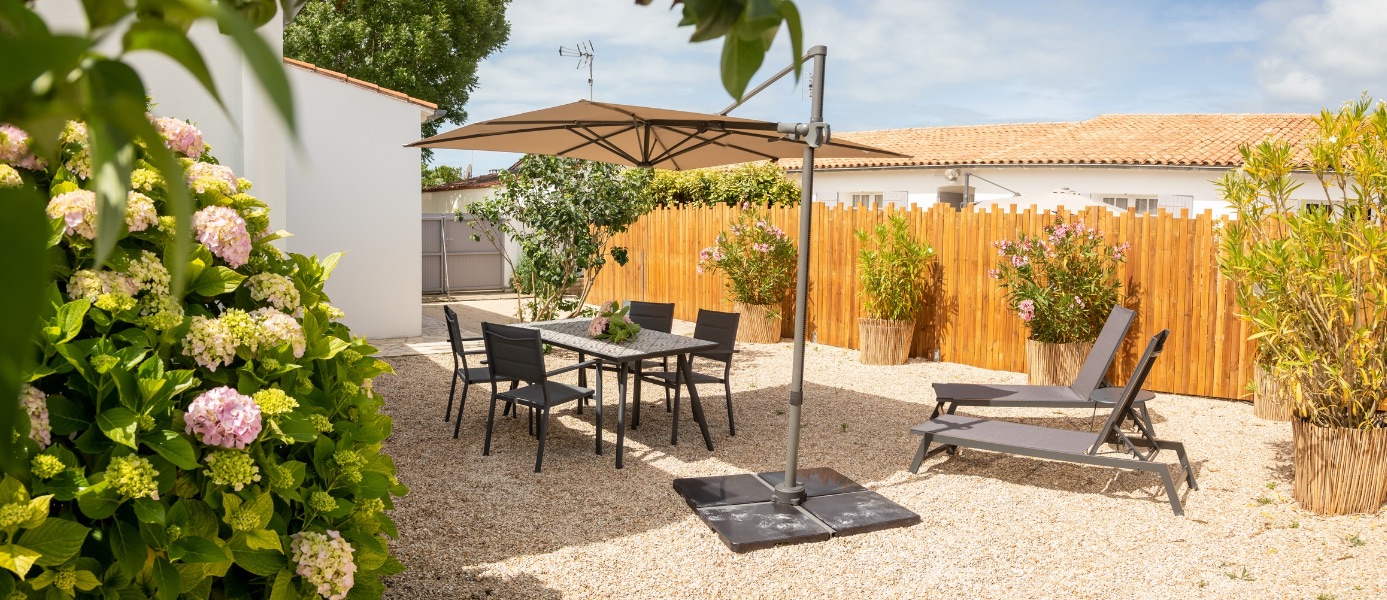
1104	351
1129	393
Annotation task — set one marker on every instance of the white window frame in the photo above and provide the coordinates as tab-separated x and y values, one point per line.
1147	204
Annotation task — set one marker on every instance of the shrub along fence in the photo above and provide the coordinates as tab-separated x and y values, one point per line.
1171	279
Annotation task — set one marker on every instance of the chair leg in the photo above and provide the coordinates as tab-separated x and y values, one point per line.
1170	491
731	424
636	405
448	412
543	432
514	409
490	418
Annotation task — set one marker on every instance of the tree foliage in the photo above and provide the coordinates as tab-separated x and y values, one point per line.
563	212
758	184
439	174
428	49
893	270
748	27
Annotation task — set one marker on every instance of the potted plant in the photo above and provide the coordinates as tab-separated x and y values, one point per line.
1318	279
1062	284
892	271
759	262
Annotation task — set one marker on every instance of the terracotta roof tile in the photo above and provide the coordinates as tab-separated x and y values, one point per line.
1200	140
359	83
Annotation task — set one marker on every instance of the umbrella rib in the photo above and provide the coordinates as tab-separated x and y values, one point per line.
601	141
469	136
670	154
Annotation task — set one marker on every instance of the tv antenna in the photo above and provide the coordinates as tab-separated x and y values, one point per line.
585	55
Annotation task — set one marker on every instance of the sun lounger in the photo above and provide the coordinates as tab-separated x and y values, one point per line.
1136	451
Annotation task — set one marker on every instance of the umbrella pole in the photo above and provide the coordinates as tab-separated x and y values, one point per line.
790	491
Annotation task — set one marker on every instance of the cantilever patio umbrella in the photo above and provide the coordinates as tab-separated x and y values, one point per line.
638	136
747	511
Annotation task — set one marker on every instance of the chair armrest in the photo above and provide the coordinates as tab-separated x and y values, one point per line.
582	365
471	339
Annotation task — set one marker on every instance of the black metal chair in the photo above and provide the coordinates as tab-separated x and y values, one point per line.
468	375
517	353
655	316
712	326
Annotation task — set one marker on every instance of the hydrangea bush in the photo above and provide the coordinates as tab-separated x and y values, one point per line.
1063	283
222	442
757	257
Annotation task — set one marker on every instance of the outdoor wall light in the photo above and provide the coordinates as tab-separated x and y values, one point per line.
952	176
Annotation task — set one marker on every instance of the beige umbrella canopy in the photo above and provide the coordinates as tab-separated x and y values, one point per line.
639	136
1069	199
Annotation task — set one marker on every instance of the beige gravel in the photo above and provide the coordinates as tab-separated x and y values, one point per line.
994	526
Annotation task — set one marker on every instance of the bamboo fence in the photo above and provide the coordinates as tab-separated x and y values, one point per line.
1171	279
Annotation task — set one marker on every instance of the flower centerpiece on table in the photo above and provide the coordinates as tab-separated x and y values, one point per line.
1062	284
612	324
758	259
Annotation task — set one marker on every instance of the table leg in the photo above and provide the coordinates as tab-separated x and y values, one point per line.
693	401
620	412
598	398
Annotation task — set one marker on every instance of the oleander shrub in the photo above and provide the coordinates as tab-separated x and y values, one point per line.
218	439
1062	284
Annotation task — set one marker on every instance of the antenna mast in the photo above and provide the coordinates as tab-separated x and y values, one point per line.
585	55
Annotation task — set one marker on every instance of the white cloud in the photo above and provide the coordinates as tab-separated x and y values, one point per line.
1324	54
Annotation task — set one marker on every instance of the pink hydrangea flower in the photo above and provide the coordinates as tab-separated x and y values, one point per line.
275	328
77	209
14	148
36	406
203	176
598	326
223	231
223	417
180	136
325	562
139	212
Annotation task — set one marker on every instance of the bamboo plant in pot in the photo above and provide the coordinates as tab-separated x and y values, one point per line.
758	260
892	270
1062	284
1320	279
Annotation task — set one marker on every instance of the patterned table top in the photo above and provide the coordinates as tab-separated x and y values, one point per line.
573	335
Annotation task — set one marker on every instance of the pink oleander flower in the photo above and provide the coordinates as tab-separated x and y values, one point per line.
762	248
325	562
180	136
598	326
223	231
718	254
1079	301
1026	308
223	417
1020	260
278	290
274	328
699	268
36	406
203	176
139	212
994	273
1120	251
14	149
77	209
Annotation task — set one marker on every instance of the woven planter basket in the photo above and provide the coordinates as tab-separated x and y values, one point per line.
1266	402
760	323
1340	471
1054	364
884	342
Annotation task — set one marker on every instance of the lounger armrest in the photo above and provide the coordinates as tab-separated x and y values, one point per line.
582	365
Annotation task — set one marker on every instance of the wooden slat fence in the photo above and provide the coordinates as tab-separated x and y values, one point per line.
1171	276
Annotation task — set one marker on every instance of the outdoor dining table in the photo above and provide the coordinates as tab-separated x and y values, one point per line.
572	334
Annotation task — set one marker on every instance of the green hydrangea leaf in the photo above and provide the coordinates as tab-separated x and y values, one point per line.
149	510
98	501
64	486
18	559
257	561
66	416
69	319
86	581
261	539
38	511
295	427
173	447
193	549
166	579
283	588
216	281
130	551
56	540
119	425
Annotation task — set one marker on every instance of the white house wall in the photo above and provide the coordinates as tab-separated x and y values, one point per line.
922	184
451	200
352	190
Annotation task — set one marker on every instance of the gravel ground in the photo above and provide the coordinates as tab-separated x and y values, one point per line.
994	526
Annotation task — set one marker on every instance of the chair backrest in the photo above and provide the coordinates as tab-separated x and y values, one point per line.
1129	393
514	352
720	327
655	316
455	336
1104	351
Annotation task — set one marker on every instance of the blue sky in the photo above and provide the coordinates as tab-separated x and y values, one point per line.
920	63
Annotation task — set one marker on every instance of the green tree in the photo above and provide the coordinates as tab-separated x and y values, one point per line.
425	48
760	184
563	212
439	174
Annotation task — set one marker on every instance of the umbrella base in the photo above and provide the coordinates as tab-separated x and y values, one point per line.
739	508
